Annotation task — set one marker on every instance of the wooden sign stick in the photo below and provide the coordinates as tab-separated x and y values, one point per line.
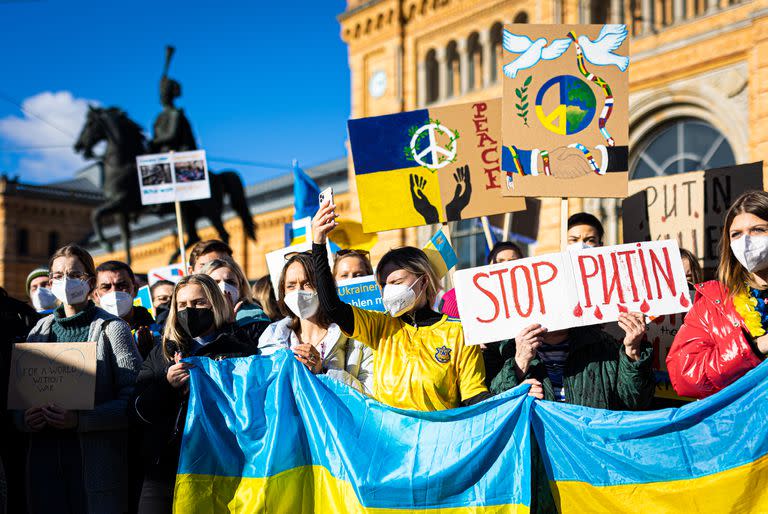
507	225
563	224
487	231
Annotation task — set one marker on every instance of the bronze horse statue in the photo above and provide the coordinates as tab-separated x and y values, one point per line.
125	141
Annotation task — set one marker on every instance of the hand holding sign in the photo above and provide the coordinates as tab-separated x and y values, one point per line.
527	343
57	417
34	419
633	324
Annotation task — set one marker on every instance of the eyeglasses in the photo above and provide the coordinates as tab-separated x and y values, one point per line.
347	251
72	275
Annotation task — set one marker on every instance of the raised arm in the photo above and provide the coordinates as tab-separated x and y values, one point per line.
339	312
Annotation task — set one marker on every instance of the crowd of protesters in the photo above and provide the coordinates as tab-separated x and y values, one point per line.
122	455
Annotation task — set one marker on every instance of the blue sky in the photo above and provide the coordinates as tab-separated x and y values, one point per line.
262	81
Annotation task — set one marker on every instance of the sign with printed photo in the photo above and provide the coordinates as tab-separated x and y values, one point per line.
566	110
429	166
574	288
173	177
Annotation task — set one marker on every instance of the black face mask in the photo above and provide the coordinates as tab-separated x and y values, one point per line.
195	322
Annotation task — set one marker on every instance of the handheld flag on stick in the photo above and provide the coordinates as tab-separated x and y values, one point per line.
440	254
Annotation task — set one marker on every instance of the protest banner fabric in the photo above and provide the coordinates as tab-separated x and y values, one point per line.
171	273
173	177
287	441
574	288
441	255
565	116
435	165
362	292
707	456
688	207
45	373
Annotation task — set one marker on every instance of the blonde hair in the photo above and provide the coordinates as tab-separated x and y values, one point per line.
730	272
243	287
413	261
174	338
264	294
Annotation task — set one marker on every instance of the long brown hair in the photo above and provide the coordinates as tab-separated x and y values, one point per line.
264	295
730	272
174	339
697	275
305	260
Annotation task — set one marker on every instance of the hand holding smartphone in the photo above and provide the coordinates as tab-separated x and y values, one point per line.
326	194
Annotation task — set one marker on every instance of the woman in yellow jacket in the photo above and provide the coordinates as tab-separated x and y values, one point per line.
421	361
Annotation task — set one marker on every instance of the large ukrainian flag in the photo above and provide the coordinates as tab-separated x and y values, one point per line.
264	435
708	456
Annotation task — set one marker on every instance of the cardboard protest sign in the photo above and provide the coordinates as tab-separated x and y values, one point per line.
60	373
429	166
441	255
173	177
688	207
566	110
172	273
571	289
362	292
144	299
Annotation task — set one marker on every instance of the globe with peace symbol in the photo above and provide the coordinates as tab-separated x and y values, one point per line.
573	101
433	156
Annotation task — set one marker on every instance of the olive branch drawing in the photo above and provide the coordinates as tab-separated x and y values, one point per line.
522	95
449	147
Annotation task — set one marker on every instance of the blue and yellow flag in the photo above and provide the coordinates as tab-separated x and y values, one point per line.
441	255
264	435
708	456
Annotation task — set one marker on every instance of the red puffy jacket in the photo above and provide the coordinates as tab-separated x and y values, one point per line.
713	348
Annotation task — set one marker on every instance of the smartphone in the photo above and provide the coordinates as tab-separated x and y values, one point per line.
326	194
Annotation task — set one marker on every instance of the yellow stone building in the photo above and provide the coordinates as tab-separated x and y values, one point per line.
698	76
698	70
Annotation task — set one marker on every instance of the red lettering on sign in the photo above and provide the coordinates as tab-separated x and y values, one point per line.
491	297
499	273
585	276
540	283
492	174
659	270
628	261
479	127
647	280
480	108
487	152
615	281
529	288
485	141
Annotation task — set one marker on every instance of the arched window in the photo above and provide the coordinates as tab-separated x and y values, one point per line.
22	242
679	146
432	70
599	11
495	51
53	242
453	69
475	70
521	17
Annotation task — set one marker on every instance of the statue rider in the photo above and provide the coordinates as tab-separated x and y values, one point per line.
172	130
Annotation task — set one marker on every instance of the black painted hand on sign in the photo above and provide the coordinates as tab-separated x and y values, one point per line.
461	194
421	202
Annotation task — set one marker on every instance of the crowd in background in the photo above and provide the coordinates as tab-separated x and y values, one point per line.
122	455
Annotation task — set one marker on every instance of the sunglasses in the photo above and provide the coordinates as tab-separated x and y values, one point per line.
347	251
291	255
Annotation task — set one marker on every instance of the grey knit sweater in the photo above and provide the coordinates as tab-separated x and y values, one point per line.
101	431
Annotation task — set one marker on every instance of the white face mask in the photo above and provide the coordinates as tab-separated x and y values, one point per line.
578	245
399	298
70	291
117	303
751	252
229	290
43	299
303	304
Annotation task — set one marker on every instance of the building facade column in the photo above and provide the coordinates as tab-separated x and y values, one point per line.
617	11
462	49
646	7
442	74
712	5
484	38
678	6
421	80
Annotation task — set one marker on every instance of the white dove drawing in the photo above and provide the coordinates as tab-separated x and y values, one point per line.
600	51
533	51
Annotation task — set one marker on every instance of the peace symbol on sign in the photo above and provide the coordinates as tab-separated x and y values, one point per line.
433	149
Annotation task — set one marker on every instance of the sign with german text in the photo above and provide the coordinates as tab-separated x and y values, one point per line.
59	373
570	289
688	207
362	292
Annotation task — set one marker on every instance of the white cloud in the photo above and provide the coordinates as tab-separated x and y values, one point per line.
60	109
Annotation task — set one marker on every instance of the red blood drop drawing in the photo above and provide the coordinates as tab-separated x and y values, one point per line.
578	311
696	214
598	313
663	219
639	245
622	308
684	299
644	307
